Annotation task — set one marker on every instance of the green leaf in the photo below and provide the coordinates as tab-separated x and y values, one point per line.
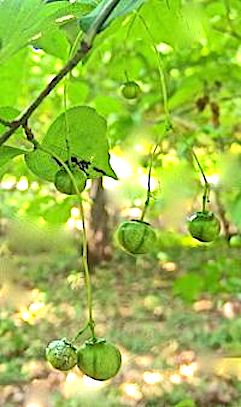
123	8
53	42
11	75
7	153
85	132
22	20
188	287
77	91
178	26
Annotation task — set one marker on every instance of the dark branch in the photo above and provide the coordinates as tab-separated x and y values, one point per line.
85	47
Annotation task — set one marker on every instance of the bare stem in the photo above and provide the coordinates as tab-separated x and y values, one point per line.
160	69
206	184
83	50
148	195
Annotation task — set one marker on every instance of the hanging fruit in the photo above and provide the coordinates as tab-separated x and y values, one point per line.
136	236
61	354
131	90
204	226
99	359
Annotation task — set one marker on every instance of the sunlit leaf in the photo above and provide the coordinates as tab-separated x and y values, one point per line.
7	153
84	131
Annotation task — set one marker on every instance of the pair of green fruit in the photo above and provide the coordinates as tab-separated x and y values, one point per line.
138	237
97	358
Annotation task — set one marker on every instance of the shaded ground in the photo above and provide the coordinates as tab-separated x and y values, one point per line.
175	316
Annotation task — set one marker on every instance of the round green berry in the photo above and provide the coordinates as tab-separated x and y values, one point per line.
61	354
204	226
64	184
136	237
131	90
99	359
235	241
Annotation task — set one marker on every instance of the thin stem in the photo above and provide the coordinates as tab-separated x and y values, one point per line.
160	69
83	50
71	53
206	191
87	274
81	331
125	47
148	195
91	322
127	77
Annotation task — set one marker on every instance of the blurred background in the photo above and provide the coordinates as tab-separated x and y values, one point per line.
175	313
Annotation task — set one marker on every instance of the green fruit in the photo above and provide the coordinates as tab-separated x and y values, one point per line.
64	184
235	241
204	226
99	359
131	90
136	237
61	354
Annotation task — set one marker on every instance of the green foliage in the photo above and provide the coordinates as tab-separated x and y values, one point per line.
12	74
22	20
188	286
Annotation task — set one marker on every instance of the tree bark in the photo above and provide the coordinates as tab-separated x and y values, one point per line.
99	248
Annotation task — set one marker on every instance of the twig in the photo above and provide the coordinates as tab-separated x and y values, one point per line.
148	195
206	183
85	47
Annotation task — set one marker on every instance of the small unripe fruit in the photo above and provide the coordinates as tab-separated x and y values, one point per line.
131	90
61	354
204	226
64	184
136	237
99	359
235	241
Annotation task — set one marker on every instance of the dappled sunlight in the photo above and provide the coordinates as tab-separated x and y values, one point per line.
169	266
33	313
22	184
231	309
34	403
203	305
152	377
188	370
132	391
77	383
122	166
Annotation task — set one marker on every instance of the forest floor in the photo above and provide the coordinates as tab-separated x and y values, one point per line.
175	315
